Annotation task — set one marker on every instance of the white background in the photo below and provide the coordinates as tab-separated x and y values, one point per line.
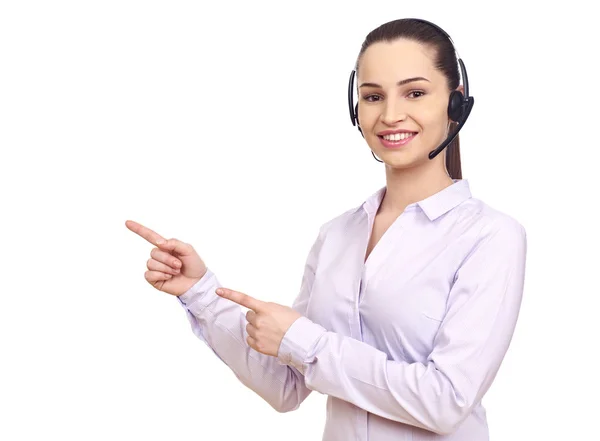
226	125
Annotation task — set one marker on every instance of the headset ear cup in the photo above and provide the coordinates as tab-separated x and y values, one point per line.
456	105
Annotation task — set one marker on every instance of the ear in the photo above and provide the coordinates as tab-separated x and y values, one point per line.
461	89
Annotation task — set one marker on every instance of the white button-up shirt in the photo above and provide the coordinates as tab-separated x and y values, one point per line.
406	344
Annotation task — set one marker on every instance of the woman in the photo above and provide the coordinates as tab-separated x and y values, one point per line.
408	302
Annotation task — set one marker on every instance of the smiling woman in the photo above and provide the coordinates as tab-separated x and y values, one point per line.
401	48
409	300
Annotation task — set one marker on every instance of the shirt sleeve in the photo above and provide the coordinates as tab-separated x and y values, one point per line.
221	325
473	338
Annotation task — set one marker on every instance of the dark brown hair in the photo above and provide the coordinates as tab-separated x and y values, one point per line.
445	61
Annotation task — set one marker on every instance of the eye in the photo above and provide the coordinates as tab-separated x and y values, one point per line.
419	93
371	98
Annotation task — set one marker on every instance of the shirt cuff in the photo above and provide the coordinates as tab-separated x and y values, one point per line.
194	298
298	343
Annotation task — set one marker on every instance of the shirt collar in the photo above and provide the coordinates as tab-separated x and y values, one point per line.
434	206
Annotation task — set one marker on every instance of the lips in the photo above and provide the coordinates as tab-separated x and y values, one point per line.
397	138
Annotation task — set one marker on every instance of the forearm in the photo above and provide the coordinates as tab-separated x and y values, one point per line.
411	393
221	324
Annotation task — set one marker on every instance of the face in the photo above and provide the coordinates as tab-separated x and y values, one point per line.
402	103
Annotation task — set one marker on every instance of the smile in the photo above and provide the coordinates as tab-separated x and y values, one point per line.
397	139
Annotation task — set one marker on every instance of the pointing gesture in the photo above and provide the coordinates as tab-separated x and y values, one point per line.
267	322
174	266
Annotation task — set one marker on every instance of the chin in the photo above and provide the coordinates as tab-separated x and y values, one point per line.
400	165
401	159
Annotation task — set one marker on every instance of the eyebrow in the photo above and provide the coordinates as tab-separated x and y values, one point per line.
399	83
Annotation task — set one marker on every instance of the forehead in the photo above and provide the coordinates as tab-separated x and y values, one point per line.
396	60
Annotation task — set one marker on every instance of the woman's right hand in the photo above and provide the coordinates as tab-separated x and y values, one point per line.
174	266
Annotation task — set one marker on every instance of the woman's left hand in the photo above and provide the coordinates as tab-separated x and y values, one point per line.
267	322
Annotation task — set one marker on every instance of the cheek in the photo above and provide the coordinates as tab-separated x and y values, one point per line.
434	115
434	127
367	116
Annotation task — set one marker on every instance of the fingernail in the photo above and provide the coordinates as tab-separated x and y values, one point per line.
160	241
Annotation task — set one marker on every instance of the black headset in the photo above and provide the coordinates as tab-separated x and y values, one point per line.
459	105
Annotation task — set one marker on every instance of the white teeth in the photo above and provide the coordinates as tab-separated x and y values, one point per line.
397	136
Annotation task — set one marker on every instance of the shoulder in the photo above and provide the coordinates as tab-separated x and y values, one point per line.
339	221
489	224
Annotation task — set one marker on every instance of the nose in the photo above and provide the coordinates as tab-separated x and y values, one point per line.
392	113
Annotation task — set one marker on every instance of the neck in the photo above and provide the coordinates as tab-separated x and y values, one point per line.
405	187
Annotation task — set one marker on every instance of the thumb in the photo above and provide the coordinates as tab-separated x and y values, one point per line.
177	246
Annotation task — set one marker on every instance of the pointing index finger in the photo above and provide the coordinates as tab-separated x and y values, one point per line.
145	232
240	298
